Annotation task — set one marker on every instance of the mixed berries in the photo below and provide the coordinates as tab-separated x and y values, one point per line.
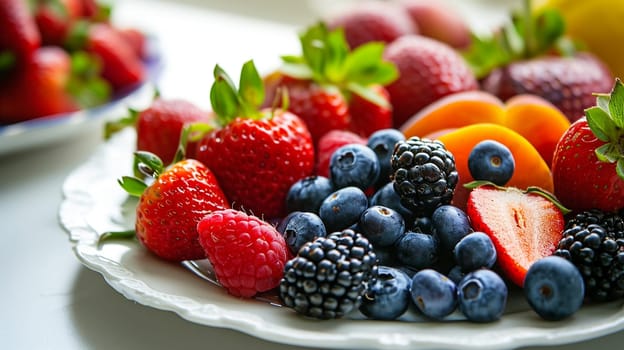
322	199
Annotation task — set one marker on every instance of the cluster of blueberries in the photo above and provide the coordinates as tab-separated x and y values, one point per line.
436	263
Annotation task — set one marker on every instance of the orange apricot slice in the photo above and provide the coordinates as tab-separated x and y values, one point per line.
530	167
454	111
538	120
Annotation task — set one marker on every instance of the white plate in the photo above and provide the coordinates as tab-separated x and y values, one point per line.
94	203
40	131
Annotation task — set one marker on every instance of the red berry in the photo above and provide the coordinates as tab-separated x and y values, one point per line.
428	70
372	21
248	255
120	64
38	88
20	36
367	116
329	143
257	160
567	82
159	127
524	227
321	108
581	180
170	208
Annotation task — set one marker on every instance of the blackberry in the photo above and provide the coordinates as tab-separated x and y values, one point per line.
329	276
424	174
594	241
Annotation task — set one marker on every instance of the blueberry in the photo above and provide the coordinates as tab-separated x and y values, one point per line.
307	194
492	161
388	197
554	288
382	143
388	297
382	226
475	251
354	165
343	208
456	274
482	296
300	227
416	250
450	224
422	224
433	294
386	256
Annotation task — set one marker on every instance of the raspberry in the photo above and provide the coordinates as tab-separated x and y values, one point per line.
248	255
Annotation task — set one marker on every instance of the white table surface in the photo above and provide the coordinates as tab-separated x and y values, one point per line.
48	300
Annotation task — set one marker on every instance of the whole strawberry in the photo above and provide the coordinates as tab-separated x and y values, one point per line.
256	154
524	226
248	255
369	21
329	79
170	208
55	18
428	70
49	84
588	164
20	37
121	66
322	108
160	125
542	61
368	116
567	82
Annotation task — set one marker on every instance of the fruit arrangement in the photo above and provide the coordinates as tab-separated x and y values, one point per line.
353	179
62	56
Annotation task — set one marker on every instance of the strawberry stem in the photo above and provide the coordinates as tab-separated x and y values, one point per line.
7	60
147	163
190	132
106	236
529	46
153	165
114	126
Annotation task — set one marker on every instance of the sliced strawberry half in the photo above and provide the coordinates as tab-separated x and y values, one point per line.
524	226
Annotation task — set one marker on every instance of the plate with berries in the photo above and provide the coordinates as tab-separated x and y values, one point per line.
66	68
263	217
345	260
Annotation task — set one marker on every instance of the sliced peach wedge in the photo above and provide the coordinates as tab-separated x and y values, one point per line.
454	111
539	121
530	168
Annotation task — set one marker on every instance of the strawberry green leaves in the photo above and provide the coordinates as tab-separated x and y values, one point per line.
148	164
527	35
606	121
327	59
616	104
228	102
